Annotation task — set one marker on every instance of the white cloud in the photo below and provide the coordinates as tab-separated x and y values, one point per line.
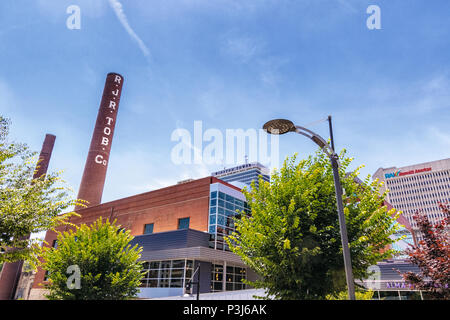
117	7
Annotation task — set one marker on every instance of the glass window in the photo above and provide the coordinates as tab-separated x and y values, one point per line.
183	223
176	283
177	264
221	220
217	286
229	198
148	228
153	283
164	273
213	194
221	195
164	283
177	273
153	274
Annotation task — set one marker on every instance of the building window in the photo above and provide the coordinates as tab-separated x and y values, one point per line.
148	228
55	244
183	223
232	281
167	273
221	218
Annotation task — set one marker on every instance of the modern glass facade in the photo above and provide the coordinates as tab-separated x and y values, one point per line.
228	278
225	205
167	273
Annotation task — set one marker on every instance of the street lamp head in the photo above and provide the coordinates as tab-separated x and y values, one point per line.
279	126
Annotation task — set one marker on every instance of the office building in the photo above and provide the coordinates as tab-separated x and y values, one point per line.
417	188
244	174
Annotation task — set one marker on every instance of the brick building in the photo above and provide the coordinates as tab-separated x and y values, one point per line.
179	227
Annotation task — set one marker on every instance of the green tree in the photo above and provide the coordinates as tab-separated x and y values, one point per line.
360	295
27	205
292	239
93	263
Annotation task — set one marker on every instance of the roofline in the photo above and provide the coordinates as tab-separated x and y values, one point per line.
186	184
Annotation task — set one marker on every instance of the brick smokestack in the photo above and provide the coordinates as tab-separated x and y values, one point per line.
10	275
93	181
44	156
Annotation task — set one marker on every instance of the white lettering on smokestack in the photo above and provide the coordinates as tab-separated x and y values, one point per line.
107	130
99	159
109	120
105	141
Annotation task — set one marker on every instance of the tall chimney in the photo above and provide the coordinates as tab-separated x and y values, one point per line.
44	156
93	181
10	274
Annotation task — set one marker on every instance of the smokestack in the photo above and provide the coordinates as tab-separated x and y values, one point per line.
10	274
93	181
44	156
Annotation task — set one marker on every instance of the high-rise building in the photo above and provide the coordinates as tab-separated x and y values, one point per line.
417	188
245	174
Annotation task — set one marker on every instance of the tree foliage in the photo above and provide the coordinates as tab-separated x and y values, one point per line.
27	205
108	266
292	237
432	256
359	295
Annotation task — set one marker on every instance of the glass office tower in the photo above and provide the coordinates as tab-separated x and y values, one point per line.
245	173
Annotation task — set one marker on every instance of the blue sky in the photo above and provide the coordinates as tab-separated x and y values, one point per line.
232	64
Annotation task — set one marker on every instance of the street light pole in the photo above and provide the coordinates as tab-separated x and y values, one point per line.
282	126
331	132
343	228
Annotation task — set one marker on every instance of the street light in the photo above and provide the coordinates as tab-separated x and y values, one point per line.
282	126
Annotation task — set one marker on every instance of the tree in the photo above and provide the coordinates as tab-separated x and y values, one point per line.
292	239
27	205
93	263
432	256
360	295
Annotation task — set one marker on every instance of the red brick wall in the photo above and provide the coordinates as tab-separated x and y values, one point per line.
161	207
